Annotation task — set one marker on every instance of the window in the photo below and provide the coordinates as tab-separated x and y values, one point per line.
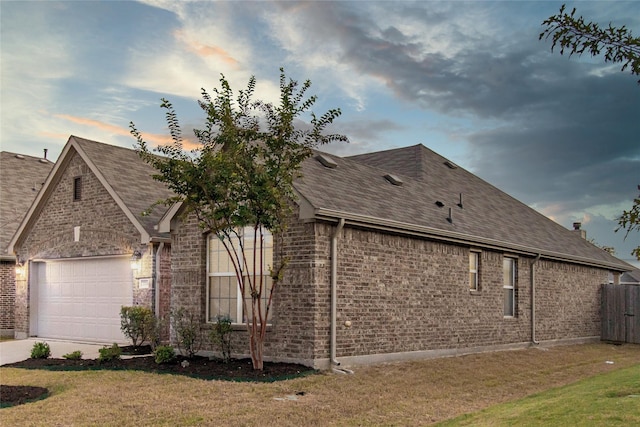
473	271
77	188
509	286
224	297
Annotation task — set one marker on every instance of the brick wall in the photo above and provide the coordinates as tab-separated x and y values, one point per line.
104	230
400	294
567	300
7	297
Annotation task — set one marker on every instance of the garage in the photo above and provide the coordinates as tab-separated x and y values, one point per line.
80	299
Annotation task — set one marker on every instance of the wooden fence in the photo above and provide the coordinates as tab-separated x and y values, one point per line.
621	313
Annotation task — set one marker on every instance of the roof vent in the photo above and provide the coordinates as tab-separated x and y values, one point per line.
450	165
19	156
393	179
439	204
460	204
326	161
450	217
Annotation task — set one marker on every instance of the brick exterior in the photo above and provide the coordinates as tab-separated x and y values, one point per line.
400	294
7	297
104	230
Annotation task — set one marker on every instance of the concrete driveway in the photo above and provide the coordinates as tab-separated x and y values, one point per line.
17	350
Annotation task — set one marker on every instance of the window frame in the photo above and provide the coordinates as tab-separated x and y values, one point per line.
511	287
241	318
475	271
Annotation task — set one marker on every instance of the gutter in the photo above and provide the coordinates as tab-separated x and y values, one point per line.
334	311
457	237
533	300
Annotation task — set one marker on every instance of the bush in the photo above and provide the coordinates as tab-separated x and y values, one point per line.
109	353
76	355
186	325
155	331
164	354
221	335
40	350
137	323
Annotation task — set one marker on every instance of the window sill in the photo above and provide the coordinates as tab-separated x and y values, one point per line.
236	326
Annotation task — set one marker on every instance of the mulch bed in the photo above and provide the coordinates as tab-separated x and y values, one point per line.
11	395
197	367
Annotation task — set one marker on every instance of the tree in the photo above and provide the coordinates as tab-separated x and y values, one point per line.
576	37
619	46
630	221
240	180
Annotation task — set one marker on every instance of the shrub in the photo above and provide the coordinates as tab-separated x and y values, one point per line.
221	335
40	350
109	353
155	331
164	354
186	325
136	323
75	355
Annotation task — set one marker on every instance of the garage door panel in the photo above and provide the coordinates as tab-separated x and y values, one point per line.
81	299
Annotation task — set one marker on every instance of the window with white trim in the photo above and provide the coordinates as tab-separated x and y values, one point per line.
474	260
509	286
224	297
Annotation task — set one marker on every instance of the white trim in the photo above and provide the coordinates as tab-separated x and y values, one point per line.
474	270
164	225
510	286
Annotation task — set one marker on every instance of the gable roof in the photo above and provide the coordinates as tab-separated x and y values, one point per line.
21	177
631	277
126	177
428	201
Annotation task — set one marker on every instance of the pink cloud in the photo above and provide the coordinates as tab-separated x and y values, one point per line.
153	139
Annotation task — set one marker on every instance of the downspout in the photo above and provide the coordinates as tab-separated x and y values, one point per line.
334	312
156	280
533	300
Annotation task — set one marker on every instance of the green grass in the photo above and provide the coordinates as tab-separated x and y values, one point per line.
611	399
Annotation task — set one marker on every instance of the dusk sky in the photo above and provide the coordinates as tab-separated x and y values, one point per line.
469	80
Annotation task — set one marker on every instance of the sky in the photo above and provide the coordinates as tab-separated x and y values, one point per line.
469	80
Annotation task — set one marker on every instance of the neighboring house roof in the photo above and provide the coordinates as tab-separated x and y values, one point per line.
428	203
21	177
126	177
630	277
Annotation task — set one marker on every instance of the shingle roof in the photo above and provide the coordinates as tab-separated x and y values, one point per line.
356	189
631	276
21	177
426	202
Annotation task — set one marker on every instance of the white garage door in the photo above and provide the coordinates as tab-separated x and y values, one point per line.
81	299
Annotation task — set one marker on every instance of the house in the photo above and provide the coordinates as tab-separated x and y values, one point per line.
89	249
21	177
630	277
391	255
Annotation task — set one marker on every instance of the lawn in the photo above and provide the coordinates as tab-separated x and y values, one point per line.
412	393
611	399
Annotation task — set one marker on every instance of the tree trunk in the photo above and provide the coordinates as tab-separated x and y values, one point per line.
256	346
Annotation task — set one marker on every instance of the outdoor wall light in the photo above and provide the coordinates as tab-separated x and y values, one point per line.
135	260
20	270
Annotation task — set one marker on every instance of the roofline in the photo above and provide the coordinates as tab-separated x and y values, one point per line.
64	160
164	226
454	237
